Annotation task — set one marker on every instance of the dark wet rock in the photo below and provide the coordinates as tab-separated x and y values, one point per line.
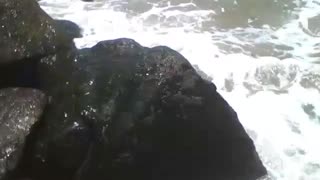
20	109
71	29
26	31
124	111
28	34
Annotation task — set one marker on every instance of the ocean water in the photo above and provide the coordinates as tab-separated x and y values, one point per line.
263	55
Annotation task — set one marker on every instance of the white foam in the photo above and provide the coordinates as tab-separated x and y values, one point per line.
272	113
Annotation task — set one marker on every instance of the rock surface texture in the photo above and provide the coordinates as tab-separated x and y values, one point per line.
115	111
26	31
121	110
20	109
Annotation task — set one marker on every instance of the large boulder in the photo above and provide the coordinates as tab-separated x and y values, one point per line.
28	34
20	110
26	31
116	111
119	110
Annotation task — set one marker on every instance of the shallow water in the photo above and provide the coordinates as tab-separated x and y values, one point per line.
262	55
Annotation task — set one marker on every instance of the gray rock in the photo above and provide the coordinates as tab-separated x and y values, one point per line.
26	31
20	109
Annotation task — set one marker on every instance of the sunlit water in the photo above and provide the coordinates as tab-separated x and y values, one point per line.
262	55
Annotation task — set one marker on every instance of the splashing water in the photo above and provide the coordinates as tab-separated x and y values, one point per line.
262	55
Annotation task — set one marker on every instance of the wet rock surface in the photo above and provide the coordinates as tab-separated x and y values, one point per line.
121	110
26	31
20	109
28	34
117	110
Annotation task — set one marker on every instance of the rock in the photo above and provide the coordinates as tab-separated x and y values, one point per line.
20	110
71	29
19	74
27	32
119	110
